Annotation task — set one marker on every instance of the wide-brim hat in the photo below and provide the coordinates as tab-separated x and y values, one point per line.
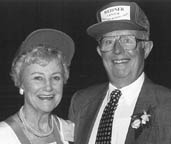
51	37
119	16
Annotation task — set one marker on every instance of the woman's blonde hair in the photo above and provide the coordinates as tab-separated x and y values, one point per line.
42	55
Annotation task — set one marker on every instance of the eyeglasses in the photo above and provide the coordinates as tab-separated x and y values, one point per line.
128	42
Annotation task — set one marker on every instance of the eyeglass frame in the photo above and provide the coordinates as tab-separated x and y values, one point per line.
137	40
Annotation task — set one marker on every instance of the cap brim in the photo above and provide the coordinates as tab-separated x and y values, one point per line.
97	30
51	37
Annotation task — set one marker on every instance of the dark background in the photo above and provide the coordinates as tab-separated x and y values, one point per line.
20	17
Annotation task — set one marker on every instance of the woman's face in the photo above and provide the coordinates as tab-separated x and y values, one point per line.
43	86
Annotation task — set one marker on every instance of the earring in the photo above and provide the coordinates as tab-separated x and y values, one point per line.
21	91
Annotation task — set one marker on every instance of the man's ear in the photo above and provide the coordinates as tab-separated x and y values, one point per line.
147	48
98	51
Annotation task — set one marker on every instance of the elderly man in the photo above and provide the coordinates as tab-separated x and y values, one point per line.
130	108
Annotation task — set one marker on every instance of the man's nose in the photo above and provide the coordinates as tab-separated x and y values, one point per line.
117	48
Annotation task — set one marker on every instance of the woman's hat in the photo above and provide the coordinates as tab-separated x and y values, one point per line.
51	37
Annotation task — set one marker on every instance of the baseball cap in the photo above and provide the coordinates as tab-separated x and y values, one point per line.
119	16
51	37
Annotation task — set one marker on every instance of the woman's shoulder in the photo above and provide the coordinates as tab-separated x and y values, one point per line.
66	128
3	126
7	135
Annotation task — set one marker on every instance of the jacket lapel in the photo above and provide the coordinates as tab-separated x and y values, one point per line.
145	102
89	114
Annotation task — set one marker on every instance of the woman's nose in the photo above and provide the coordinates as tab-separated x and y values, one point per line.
48	85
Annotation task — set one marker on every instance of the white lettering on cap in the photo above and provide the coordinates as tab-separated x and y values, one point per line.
115	13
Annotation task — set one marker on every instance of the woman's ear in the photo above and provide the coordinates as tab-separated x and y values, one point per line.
147	48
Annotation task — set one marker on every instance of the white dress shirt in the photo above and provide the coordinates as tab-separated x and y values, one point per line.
123	112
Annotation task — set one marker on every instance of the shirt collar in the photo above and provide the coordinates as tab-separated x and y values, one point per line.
129	92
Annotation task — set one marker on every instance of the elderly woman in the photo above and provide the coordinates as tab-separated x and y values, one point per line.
39	70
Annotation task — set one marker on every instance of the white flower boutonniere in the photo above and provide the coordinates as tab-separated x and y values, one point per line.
140	120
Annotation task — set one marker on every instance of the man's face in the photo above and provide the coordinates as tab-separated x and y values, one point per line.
124	57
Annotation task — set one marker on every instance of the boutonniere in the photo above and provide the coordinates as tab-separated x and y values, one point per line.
140	120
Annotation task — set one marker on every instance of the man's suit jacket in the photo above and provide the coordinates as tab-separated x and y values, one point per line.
154	99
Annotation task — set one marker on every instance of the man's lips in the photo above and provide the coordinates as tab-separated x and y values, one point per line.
120	61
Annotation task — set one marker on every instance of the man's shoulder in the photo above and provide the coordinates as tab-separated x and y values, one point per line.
93	88
161	93
90	92
163	103
161	90
155	87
